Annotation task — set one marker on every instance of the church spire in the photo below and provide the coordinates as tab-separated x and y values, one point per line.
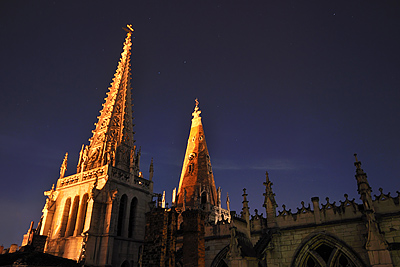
269	202
197	178
112	140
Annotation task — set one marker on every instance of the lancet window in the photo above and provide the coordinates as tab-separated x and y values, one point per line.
72	217
204	197
82	214
64	217
132	217
121	214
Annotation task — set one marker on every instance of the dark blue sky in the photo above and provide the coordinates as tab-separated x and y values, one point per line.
292	87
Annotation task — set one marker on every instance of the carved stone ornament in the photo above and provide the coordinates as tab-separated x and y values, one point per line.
63	168
51	197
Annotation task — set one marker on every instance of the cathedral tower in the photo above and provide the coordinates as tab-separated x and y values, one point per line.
96	216
197	186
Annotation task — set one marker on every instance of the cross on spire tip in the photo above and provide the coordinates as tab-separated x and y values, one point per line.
128	28
196	112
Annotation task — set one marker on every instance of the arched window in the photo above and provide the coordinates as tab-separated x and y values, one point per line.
325	250
72	217
82	214
132	215
125	264
65	215
204	198
219	259
121	214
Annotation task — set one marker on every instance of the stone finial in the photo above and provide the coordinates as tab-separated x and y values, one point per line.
245	209
163	200
357	163
51	196
268	184
228	202
84	158
218	215
151	170
174	197
228	207
64	166
245	201
364	189
78	168
219	196
269	197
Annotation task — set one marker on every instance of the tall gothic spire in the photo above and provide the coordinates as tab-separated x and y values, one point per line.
112	140
197	178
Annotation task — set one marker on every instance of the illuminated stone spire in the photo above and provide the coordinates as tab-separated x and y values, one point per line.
197	178
112	141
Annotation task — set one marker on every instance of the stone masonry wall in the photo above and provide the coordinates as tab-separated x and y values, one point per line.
216	238
155	249
193	238
285	244
390	226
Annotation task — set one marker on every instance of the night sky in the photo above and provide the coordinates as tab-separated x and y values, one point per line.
292	87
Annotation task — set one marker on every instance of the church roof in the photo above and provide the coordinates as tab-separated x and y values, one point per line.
197	178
